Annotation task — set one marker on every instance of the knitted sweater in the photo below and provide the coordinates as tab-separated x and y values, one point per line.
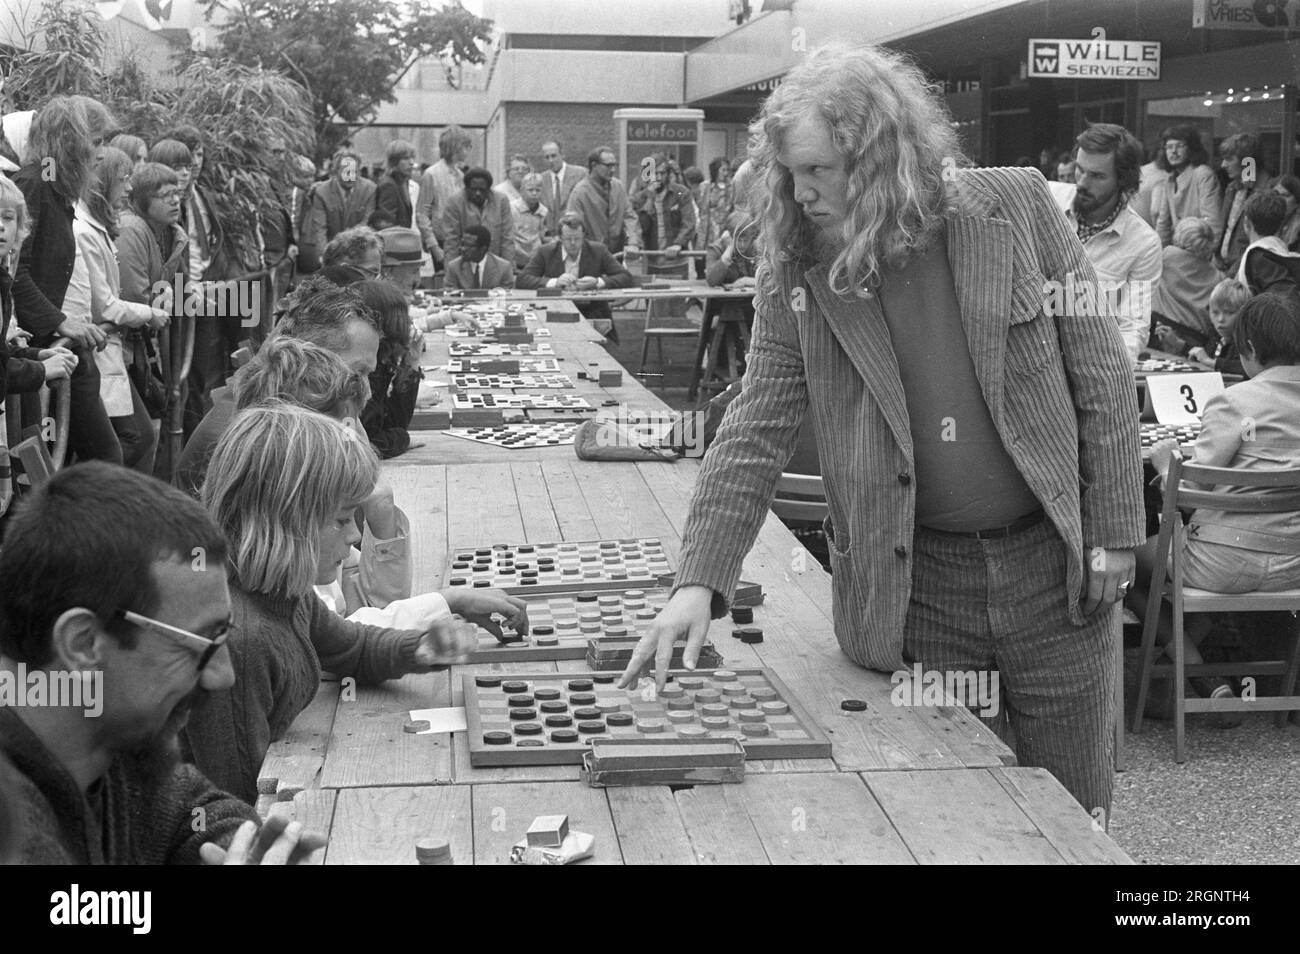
277	647
122	819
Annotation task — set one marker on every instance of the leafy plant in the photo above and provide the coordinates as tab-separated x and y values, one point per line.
347	54
69	61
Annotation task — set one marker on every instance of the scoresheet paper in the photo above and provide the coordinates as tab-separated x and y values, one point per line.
441	721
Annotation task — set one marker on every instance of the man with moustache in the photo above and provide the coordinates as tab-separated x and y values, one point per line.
979	452
113	579
1123	249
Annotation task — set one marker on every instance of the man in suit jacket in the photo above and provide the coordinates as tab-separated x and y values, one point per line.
557	183
1239	158
345	200
980	453
602	201
573	262
479	268
477	204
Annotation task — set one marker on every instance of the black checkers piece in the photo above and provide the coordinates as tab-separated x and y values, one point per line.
589	728
554	705
586	597
559	720
487	682
853	705
546	692
582	698
751	634
513	687
517	701
620	718
522	715
528	728
580	685
586	713
543	630
743	615
482	584
531	743
497	737
605	679
564	735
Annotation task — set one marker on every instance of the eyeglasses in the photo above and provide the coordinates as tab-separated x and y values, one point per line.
213	644
373	271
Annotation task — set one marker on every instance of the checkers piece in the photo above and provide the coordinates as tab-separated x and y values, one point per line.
559	721
853	705
751	635
497	738
716	709
607	706
554	705
715	722
564	735
528	728
691	682
650	725
520	701
582	698
416	725
591	727
532	743
773	708
546	692
523	714
692	731
580	685
681	715
514	687
744	615
755	728
750	715
724	675
487	682
620	718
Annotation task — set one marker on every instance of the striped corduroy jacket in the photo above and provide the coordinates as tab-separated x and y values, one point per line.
1060	390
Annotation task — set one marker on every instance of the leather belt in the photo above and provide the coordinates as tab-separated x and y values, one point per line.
1017	526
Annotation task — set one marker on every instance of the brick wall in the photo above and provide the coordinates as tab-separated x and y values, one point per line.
580	127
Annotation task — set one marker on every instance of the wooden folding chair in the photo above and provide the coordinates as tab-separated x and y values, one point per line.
1282	496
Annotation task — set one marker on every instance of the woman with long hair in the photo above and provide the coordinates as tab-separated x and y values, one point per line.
56	174
283	485
395	383
134	147
95	295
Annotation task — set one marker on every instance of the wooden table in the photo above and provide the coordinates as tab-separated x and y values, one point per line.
577	347
907	785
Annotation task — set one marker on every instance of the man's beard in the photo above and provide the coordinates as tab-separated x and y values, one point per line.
155	758
1084	204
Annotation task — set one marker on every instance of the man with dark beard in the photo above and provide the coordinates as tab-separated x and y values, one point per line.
113	598
1123	249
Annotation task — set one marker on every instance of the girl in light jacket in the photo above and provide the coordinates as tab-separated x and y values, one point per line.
94	294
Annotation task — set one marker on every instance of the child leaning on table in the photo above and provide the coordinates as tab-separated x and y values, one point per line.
1254	425
1226	302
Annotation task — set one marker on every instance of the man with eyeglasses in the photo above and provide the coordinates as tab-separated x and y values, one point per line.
601	202
116	582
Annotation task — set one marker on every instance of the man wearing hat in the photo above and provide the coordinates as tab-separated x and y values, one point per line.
479	268
403	257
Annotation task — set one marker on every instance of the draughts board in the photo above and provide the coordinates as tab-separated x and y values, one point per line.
497	382
1163	366
552	718
1183	433
473	348
526	366
561	624
518	435
454	331
559	402
560	567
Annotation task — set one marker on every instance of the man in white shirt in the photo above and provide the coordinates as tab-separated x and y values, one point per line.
1123	249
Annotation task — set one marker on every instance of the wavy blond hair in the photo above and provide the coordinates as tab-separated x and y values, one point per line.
895	133
276	476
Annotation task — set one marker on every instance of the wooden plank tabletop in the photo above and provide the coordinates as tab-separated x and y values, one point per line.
903	785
